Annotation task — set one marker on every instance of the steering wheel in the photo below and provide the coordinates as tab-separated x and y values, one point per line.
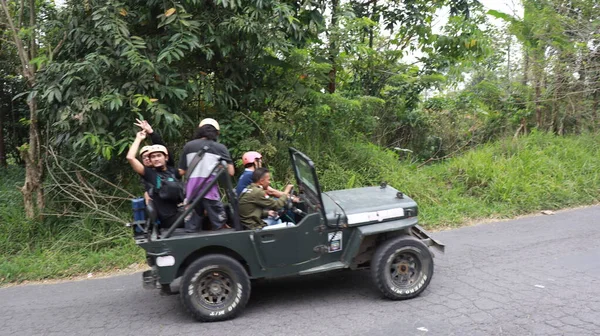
289	204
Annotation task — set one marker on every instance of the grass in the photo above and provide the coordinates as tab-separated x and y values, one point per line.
498	180
56	247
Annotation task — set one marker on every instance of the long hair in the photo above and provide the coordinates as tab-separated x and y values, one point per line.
207	131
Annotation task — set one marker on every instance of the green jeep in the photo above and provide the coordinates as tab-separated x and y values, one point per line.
372	227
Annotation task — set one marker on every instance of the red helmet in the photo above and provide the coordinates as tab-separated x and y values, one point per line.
250	157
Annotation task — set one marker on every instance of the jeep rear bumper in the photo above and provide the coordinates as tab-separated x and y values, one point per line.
150	279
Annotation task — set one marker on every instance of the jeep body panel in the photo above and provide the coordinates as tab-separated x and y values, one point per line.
361	206
265	253
183	246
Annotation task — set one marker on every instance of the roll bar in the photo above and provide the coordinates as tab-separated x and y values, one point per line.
218	171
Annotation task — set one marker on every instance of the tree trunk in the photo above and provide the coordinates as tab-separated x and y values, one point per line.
34	167
538	106
525	67
538	80
30	153
333	52
595	106
2	147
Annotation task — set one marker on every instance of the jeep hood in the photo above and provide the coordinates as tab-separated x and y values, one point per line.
361	206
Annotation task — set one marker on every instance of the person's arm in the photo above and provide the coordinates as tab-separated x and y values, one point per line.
147	197
156	139
269	203
183	165
227	157
277	193
137	166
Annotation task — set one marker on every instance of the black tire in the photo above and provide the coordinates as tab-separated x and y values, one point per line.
402	268
215	288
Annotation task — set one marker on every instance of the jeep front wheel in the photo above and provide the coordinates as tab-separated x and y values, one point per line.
215	288
402	268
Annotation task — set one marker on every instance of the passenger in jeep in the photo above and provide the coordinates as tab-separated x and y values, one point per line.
194	221
251	161
154	137
156	140
206	137
255	205
166	191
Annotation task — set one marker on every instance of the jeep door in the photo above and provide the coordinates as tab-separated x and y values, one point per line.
305	241
290	245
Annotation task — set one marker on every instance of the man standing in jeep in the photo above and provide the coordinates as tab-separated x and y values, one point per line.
166	192
206	138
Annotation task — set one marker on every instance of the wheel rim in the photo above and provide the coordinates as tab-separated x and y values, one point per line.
214	289
404	269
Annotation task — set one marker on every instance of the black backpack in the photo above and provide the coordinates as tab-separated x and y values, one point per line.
168	187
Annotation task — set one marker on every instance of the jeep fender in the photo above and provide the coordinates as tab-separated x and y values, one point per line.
364	238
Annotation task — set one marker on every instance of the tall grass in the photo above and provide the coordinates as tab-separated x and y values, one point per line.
498	180
56	247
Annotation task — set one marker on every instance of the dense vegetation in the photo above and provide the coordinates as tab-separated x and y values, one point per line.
471	119
498	180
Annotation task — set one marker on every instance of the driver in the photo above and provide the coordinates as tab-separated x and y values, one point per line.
255	204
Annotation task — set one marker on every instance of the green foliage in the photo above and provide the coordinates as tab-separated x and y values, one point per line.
331	78
58	246
498	180
166	62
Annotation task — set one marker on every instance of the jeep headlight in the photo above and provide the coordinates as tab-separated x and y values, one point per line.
165	261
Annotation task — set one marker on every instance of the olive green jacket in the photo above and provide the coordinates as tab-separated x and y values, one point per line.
254	205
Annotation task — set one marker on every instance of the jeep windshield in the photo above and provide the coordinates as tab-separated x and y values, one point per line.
306	177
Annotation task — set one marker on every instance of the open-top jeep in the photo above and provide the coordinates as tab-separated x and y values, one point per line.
372	227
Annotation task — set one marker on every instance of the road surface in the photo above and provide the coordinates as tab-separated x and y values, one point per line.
531	276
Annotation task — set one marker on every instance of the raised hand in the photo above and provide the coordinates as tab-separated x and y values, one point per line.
144	125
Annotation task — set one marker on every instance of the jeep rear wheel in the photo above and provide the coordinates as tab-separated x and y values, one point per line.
402	268
215	288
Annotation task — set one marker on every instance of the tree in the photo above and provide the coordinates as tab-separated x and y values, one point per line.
24	34
170	62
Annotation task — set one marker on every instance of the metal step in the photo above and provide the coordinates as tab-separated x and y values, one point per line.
323	268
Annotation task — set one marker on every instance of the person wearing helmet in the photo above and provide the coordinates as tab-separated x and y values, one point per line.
251	161
165	191
154	137
206	137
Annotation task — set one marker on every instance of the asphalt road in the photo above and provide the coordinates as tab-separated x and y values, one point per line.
532	276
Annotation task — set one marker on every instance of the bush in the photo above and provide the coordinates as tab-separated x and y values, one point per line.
56	246
497	180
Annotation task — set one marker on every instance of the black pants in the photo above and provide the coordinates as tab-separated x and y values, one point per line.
215	211
166	222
